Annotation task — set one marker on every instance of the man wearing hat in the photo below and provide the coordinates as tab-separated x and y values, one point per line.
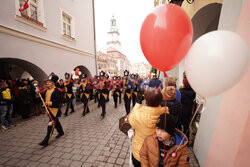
95	82
168	147
120	87
128	86
102	92
136	90
84	93
68	87
116	90
108	85
52	101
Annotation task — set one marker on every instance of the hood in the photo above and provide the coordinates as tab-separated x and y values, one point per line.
180	138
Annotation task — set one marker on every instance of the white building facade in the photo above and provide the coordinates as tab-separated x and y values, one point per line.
143	69
49	36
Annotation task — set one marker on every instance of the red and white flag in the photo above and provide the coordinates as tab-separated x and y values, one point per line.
25	6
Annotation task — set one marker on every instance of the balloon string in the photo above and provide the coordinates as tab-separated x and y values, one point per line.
165	98
165	76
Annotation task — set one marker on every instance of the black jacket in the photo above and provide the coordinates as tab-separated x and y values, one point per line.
69	88
187	98
174	108
56	100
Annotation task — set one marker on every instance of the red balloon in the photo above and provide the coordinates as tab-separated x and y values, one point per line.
166	36
149	75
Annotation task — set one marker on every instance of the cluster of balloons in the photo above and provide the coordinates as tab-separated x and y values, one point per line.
214	63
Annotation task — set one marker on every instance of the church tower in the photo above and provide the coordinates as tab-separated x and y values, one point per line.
113	36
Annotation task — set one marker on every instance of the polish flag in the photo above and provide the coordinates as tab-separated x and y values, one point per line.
25	6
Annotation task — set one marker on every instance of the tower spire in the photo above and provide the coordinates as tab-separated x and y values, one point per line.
113	35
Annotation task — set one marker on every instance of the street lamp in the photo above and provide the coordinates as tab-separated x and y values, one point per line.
179	2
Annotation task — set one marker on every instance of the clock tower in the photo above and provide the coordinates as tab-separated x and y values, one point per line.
113	35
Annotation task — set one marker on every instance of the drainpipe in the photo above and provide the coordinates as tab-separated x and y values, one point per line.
93	4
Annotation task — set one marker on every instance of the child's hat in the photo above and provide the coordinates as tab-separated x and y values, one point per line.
170	123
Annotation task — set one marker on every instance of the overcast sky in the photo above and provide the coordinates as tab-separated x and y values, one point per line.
129	15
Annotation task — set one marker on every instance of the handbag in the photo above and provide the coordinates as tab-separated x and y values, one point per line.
124	125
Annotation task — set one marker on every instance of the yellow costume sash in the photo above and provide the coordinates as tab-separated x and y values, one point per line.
53	111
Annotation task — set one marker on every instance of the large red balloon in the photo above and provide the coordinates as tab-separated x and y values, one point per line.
166	36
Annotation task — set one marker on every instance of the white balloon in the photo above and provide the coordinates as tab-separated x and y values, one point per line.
216	62
79	73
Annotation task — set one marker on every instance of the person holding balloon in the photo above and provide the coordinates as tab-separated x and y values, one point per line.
143	119
168	147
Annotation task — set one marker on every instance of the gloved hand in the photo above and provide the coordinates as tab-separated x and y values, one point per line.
139	98
130	133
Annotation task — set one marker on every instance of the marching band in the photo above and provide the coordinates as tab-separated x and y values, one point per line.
98	88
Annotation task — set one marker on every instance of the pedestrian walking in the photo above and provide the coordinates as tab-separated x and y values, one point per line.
84	93
127	88
68	85
102	89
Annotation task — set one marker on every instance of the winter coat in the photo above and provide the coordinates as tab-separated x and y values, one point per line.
143	119
175	109
187	98
176	156
6	97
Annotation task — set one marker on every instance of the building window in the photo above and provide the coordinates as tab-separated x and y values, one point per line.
68	30
33	9
21	3
33	15
66	24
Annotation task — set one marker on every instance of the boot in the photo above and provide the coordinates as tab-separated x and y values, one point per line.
59	135
45	141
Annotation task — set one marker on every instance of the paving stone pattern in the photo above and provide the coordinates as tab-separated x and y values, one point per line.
89	141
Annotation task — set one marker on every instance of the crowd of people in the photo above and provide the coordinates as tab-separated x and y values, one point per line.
161	126
17	97
162	123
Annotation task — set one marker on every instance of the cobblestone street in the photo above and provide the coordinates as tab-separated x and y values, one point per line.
88	141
